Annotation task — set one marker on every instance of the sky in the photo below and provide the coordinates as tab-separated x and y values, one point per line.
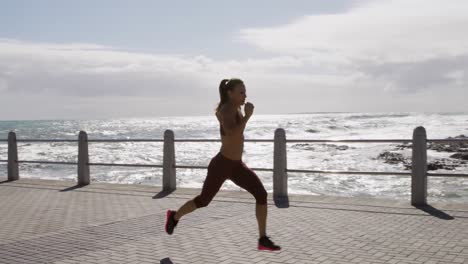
142	59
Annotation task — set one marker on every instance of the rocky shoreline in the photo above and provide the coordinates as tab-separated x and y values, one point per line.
458	159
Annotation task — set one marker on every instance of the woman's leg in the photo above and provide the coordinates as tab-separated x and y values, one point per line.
261	211
247	179
213	182
187	208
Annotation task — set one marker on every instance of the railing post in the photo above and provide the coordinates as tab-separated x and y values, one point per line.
280	176
13	171
419	168
83	159
169	171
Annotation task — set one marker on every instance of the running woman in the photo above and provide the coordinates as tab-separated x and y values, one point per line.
228	164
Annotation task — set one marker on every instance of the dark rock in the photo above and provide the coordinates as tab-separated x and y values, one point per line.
404	146
441	147
392	157
312	131
443	164
342	147
437	165
304	146
333	146
450	146
397	158
461	156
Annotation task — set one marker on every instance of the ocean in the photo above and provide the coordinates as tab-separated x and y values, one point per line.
310	156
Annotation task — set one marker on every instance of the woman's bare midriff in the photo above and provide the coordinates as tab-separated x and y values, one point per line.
232	147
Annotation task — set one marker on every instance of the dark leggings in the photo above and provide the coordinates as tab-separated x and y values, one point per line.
222	168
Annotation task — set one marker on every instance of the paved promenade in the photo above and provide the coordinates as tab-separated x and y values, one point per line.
45	221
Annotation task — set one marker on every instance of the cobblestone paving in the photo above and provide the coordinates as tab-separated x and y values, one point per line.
44	221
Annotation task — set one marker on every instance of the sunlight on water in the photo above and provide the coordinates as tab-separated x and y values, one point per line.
318	156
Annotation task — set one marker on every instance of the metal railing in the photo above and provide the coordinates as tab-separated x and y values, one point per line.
418	172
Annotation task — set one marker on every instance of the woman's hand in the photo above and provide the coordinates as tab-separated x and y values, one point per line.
248	109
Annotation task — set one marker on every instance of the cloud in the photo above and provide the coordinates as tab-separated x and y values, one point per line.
399	46
390	30
409	77
87	79
91	70
395	55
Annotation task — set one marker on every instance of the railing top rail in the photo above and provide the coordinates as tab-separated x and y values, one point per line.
449	140
219	140
350	140
126	140
461	175
46	140
89	140
388	173
453	140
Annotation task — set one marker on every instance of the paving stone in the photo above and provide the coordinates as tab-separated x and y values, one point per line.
44	221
